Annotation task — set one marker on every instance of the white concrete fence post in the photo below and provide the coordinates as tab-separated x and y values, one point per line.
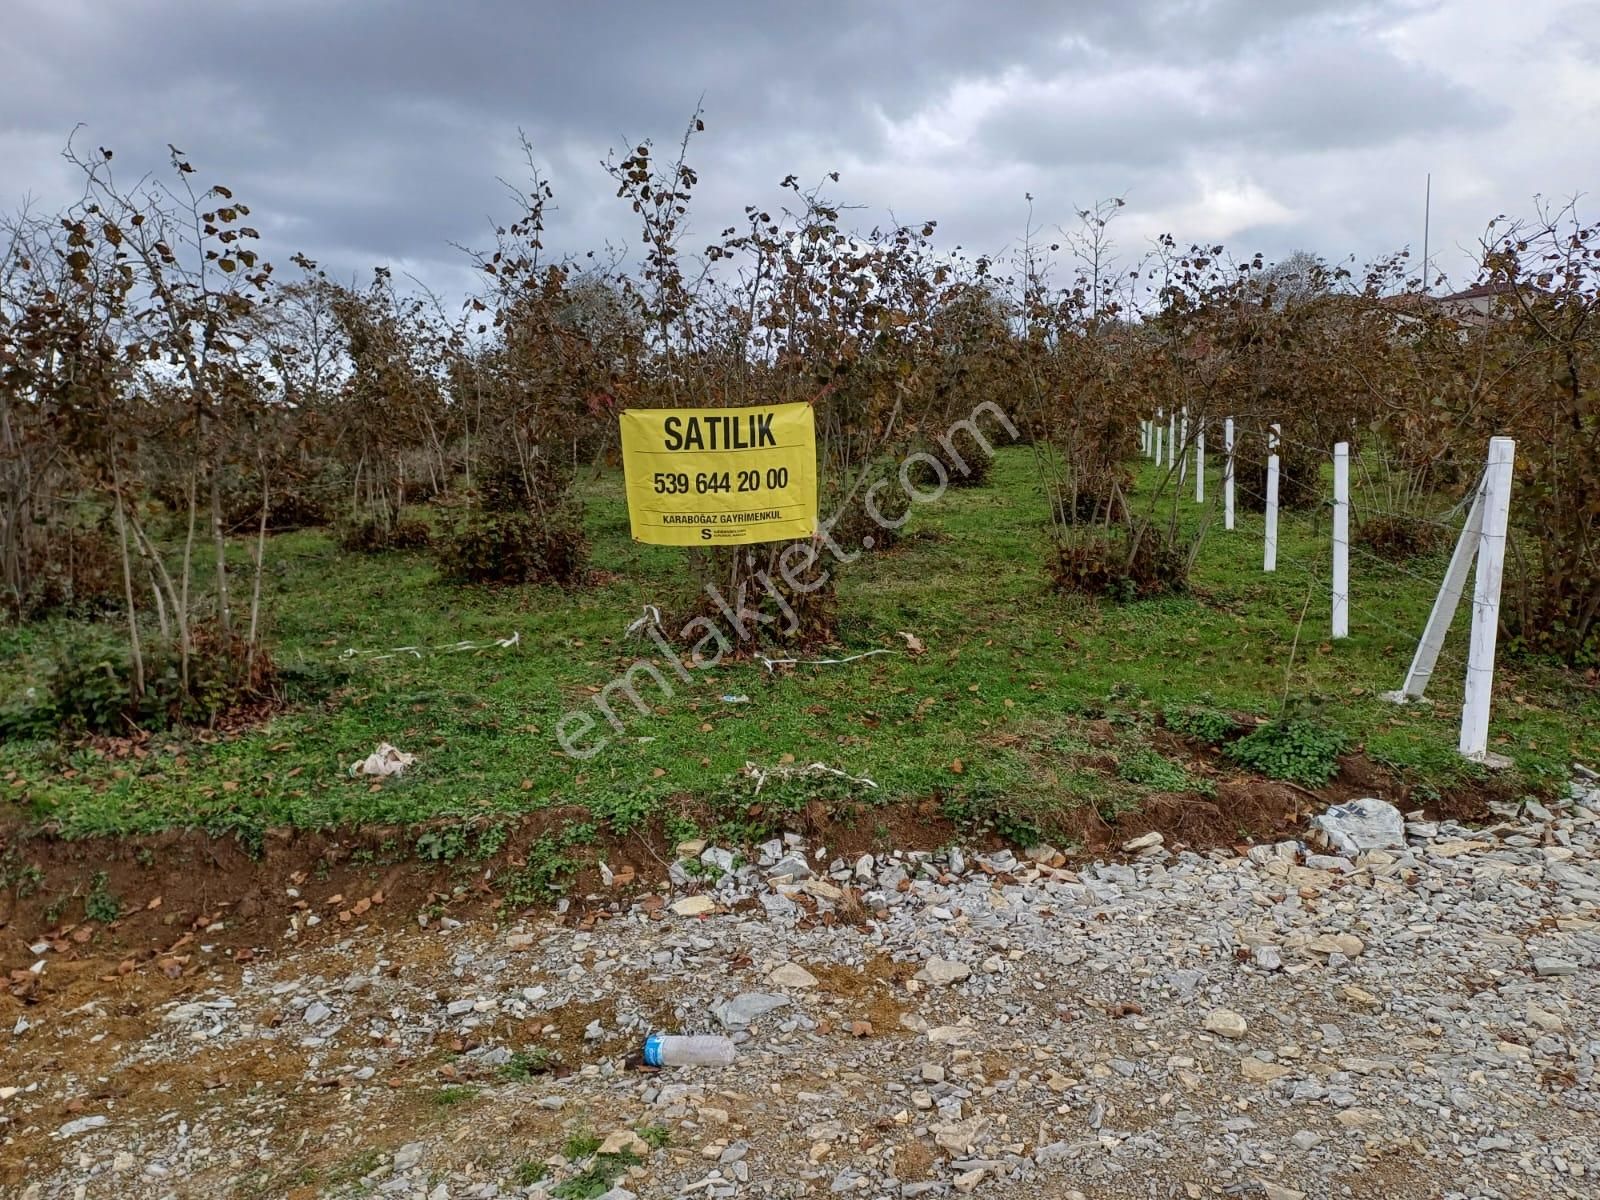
1200	464
1484	536
1341	540
1486	598
1172	438
1183	447
1227	473
1270	559
1157	432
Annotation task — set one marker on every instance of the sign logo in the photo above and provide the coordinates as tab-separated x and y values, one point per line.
730	475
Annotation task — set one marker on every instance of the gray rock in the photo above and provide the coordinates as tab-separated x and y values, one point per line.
1547	965
717	858
82	1125
1224	1022
408	1156
790	869
942	972
1052	1154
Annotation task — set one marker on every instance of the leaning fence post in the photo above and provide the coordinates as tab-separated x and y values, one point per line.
1227	473
1444	606
1200	465
1270	560
1486	598
1341	540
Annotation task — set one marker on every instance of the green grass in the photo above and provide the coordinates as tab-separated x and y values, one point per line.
580	1145
1010	673
596	1179
101	904
525	1064
452	1096
657	1137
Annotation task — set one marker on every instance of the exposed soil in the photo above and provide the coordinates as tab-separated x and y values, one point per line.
183	887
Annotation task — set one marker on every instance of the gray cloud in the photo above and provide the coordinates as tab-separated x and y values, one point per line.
364	132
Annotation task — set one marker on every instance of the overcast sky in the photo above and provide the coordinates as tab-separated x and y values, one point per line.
365	132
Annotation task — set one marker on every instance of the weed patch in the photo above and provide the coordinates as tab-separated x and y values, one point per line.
101	904
1203	723
452	1096
1296	748
525	1064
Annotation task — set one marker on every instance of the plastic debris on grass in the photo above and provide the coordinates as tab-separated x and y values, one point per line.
463	647
762	774
384	762
771	663
639	627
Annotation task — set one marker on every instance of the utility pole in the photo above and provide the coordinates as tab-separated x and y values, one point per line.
1427	208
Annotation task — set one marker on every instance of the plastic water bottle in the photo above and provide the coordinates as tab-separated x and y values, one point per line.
704	1050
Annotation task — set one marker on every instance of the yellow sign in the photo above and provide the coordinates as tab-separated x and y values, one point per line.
700	476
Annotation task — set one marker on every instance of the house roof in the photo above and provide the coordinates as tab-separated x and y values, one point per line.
1498	287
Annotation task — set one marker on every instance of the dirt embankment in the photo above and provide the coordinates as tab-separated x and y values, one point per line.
174	890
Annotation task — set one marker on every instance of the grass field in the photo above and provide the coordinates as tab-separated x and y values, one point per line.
989	721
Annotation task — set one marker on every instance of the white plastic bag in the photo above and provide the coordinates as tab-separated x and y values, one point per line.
386	760
1368	824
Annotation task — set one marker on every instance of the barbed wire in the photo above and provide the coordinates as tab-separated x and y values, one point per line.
1316	574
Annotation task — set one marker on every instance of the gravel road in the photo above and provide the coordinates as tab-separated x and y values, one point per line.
1414	1022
